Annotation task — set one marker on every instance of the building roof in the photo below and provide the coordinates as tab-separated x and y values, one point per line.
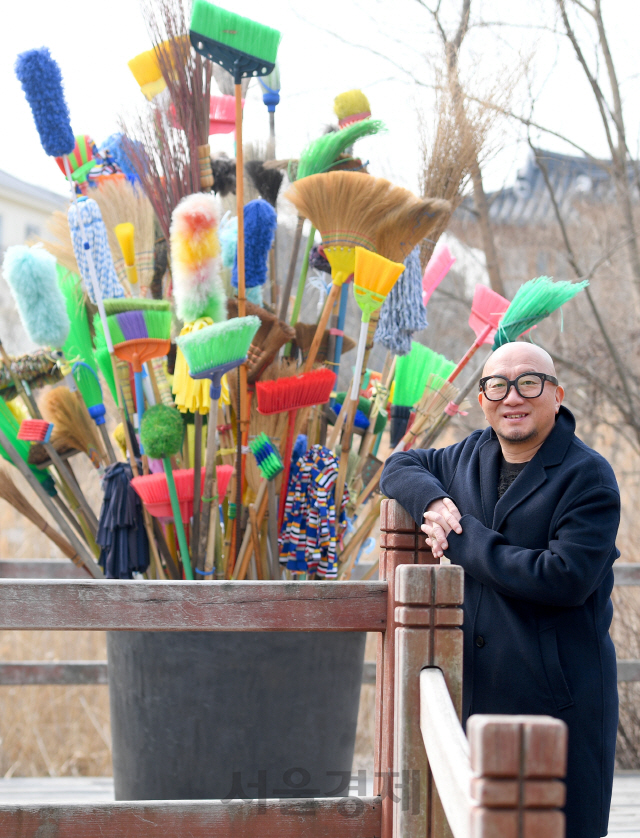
528	200
31	194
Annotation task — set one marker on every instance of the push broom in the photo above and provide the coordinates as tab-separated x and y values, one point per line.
210	353
245	49
289	395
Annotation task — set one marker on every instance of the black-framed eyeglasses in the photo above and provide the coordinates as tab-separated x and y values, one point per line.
529	385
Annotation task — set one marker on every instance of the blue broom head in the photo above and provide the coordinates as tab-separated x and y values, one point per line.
98	240
403	312
259	227
31	275
41	81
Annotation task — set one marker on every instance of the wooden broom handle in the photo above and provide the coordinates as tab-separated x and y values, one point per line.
322	325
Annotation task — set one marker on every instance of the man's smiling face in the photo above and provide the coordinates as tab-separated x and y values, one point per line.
516	419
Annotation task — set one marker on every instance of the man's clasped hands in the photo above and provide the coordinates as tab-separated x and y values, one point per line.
441	517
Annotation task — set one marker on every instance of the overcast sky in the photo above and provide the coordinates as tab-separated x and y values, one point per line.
92	42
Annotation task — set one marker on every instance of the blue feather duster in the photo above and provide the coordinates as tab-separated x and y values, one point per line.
116	145
403	312
41	81
31	275
259	228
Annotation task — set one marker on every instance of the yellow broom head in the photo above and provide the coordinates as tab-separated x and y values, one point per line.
342	260
351	106
125	234
373	278
146	71
405	226
346	207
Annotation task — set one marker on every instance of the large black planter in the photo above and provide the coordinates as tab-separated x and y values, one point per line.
219	715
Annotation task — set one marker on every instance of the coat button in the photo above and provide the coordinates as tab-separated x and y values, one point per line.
479	641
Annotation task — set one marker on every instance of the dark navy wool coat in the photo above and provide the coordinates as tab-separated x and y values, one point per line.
538	578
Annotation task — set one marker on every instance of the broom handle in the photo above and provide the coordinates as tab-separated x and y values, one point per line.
207	489
342	316
243	417
106	440
177	519
322	325
71	482
286	291
304	270
244	556
484	334
198	562
23	468
287	466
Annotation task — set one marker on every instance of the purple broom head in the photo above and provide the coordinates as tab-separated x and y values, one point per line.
41	81
259	228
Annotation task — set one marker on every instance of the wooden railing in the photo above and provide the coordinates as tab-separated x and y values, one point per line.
430	779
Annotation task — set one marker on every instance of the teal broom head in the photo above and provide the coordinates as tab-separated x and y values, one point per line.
321	154
413	371
534	301
267	457
219	345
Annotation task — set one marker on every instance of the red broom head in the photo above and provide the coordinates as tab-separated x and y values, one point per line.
35	430
154	491
296	392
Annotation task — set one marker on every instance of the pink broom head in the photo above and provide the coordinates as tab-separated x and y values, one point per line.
437	268
35	430
154	491
487	308
195	251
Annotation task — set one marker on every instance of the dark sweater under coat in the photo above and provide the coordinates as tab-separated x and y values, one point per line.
538	578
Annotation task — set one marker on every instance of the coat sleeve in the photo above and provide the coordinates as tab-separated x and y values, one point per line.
417	478
581	550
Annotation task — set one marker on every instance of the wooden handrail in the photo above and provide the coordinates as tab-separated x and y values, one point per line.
447	750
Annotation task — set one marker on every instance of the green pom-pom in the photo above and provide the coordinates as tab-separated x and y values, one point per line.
161	431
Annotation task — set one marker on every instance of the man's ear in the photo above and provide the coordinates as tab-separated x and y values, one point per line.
559	396
480	398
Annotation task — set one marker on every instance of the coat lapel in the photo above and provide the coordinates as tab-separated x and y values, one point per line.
490	454
533	475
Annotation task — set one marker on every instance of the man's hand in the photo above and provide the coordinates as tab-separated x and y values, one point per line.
441	517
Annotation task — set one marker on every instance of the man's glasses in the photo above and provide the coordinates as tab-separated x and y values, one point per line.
529	385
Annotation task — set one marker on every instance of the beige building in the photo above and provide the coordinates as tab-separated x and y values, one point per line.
24	212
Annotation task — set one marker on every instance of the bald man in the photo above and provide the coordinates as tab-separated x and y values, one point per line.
531	514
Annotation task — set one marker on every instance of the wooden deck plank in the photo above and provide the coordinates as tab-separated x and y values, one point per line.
327	818
68	605
58	673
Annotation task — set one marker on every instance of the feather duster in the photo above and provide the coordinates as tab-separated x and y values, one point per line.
41	81
224	175
31	275
259	227
195	263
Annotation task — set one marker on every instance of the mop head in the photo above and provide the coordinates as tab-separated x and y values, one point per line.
31	275
534	301
195	266
161	431
403	312
98	240
41	81
259	228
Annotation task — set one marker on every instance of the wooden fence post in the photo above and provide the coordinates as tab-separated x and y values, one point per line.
428	619
401	542
518	763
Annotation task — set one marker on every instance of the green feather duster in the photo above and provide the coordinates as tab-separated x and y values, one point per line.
320	155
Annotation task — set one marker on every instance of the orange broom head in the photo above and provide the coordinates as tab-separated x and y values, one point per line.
405	226
347	207
296	392
373	278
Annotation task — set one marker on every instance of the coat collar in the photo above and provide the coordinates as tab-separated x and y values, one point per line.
551	453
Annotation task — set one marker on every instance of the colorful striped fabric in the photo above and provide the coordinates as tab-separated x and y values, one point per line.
309	537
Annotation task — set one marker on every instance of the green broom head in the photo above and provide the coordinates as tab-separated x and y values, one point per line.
121	304
534	301
413	371
103	359
161	431
9	425
135	325
216	349
322	154
78	348
267	457
242	46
